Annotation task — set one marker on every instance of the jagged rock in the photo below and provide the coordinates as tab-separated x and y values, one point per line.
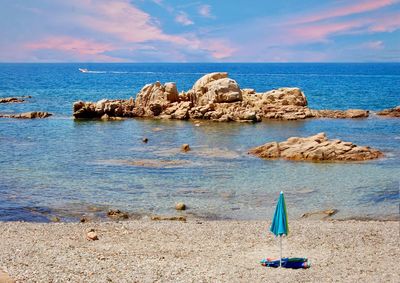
154	98
27	115
104	109
315	148
392	112
11	100
340	114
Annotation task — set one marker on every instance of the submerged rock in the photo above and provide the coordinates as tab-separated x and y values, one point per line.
340	114
11	100
117	214
320	215
392	112
315	148
27	115
213	97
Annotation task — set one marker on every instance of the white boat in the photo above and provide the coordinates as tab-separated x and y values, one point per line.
83	70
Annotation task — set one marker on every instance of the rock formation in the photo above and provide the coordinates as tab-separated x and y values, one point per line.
11	100
315	148
392	112
27	115
213	97
340	114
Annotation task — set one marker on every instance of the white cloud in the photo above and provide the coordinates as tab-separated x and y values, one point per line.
205	11
183	19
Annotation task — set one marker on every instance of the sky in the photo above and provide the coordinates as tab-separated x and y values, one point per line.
199	31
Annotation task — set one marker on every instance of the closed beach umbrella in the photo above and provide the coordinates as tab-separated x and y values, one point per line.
279	224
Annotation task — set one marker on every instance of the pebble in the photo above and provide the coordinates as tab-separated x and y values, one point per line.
180	206
92	235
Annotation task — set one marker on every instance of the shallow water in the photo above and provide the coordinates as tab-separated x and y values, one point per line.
66	167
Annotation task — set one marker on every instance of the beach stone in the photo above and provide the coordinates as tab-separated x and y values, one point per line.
392	112
5	278
180	206
185	147
117	214
92	235
315	148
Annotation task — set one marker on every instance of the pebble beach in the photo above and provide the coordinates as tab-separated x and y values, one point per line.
198	251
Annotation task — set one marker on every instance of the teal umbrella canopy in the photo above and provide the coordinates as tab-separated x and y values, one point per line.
279	224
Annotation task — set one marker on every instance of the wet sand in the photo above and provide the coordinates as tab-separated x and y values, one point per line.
198	251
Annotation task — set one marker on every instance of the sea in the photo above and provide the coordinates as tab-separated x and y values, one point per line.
62	167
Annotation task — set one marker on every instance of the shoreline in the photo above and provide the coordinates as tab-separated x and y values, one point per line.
198	251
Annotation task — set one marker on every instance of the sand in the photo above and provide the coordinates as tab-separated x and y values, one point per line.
198	251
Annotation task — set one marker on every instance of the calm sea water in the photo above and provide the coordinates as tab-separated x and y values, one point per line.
59	166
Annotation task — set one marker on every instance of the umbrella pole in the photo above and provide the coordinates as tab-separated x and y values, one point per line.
280	243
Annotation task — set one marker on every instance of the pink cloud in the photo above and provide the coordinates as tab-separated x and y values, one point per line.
78	48
388	24
361	7
183	19
220	49
375	45
320	32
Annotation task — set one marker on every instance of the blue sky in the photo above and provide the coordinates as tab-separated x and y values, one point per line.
199	31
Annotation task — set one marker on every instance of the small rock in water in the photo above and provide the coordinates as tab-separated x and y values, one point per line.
92	235
117	214
145	140
180	206
320	215
185	147
55	219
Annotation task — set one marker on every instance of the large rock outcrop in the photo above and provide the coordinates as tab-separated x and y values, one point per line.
315	148
392	112
27	115
213	97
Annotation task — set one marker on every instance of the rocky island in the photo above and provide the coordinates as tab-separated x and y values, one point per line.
315	148
214	97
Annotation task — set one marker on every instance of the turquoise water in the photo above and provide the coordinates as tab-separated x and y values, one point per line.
58	166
